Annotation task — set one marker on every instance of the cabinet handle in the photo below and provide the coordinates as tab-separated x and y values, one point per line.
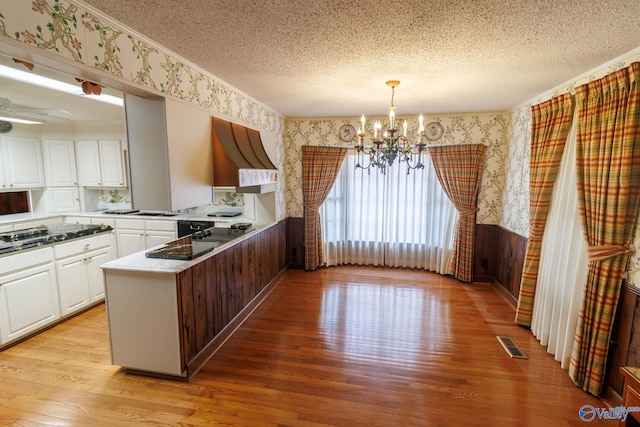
87	246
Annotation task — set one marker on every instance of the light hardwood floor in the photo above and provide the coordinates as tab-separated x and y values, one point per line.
344	346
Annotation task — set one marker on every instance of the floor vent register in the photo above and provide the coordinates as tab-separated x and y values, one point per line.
511	348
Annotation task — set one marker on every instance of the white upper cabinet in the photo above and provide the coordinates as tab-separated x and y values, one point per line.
22	159
111	162
100	164
59	163
88	156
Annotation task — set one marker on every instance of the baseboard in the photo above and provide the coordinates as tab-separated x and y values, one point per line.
510	299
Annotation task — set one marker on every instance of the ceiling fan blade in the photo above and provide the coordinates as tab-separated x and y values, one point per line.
47	111
35	115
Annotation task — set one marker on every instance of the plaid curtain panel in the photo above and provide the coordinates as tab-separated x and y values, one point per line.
459	170
320	166
608	177
550	126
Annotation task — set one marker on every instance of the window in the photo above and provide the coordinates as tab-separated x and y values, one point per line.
397	219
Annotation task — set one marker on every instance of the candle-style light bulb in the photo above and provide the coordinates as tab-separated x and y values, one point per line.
421	123
376	127
404	128
391	117
363	121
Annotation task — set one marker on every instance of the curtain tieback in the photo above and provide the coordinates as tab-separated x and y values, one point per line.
312	209
467	212
603	252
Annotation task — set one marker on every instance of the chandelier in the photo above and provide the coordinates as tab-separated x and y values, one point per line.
388	145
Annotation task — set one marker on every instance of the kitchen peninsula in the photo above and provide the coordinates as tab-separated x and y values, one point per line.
168	316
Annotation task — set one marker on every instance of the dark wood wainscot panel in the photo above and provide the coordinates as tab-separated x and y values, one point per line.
511	250
625	343
296	243
212	293
484	257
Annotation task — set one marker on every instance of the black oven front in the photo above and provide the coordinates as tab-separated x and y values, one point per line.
188	227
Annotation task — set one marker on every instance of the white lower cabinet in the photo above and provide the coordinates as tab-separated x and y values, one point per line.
135	235
80	279
28	293
73	283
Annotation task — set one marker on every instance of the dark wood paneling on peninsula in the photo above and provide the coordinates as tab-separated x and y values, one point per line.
212	293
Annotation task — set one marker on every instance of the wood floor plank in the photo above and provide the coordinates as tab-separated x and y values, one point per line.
345	346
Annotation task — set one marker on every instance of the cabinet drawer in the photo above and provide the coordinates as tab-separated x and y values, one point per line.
25	259
160	225
104	221
79	246
135	224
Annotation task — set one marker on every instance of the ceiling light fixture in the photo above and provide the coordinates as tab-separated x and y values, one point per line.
388	144
34	79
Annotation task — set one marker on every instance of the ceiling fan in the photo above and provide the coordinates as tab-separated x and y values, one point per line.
43	114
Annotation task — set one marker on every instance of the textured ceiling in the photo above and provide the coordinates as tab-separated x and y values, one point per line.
324	58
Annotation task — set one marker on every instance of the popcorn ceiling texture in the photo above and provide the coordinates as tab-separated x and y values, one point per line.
330	58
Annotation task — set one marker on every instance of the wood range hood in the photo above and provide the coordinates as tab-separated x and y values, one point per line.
239	159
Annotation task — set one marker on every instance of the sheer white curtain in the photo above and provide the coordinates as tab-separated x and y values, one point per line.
397	219
563	264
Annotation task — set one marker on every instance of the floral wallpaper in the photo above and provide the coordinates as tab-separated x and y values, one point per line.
489	129
515	209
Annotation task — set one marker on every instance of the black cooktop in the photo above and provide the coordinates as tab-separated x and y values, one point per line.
121	211
10	236
225	214
184	248
13	241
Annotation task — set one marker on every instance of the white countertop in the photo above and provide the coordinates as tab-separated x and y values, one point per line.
139	262
30	216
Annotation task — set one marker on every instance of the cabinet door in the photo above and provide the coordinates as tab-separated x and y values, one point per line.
3	168
113	238
64	199
155	238
96	278
111	164
24	163
28	301
59	163
130	241
88	160
73	283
